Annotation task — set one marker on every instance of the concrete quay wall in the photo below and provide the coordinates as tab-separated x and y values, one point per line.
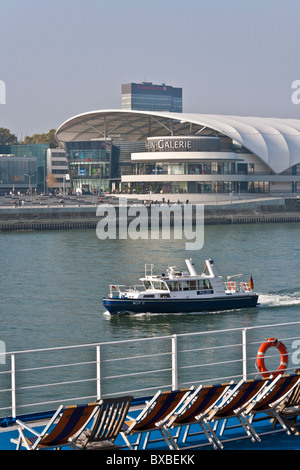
61	217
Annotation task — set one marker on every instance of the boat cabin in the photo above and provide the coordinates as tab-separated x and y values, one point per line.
173	285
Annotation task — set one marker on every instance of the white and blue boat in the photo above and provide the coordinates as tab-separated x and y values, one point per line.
181	292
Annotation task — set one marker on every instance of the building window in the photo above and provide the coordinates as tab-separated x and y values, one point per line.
90	164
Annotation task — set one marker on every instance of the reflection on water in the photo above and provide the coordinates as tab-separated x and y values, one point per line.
168	324
52	282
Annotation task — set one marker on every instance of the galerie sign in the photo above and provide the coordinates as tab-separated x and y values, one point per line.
170	144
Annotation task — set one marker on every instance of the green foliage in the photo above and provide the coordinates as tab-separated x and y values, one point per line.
6	138
46	138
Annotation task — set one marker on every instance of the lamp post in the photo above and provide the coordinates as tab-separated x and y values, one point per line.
29	182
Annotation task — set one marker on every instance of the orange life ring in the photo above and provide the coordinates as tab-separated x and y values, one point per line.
260	360
231	285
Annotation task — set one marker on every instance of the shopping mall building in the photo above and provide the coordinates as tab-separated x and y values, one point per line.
149	151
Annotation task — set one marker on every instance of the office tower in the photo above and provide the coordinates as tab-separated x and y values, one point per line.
146	96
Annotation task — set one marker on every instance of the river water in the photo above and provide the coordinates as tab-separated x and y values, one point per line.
52	282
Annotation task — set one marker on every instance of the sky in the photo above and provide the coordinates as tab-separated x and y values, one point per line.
60	58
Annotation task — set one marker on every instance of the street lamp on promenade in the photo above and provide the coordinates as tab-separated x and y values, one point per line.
29	182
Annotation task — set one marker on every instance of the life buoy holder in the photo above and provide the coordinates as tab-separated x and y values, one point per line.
246	287
231	285
260	360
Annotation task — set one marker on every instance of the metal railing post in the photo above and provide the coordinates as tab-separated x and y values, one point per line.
13	387
244	346
98	365
174	363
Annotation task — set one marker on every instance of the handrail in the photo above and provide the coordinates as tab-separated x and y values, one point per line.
172	362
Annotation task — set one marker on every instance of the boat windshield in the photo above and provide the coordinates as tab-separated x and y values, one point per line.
160	285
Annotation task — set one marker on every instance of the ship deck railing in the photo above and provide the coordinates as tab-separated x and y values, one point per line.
37	380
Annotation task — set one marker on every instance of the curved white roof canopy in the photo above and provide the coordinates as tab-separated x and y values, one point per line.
275	141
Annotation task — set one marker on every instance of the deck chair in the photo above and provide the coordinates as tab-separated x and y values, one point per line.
106	425
235	402
289	410
152	417
195	408
268	403
71	420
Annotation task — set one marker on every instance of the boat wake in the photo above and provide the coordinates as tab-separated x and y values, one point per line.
279	300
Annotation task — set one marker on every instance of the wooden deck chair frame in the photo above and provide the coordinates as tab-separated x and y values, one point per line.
153	416
235	402
70	422
195	408
267	403
106	424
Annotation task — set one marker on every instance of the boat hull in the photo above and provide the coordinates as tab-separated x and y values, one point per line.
120	306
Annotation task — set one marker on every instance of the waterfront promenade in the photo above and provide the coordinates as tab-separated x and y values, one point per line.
32	212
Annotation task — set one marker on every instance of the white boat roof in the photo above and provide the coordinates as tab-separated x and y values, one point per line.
176	274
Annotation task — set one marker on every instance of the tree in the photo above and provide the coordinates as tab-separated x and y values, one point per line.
51	180
51	138
6	138
45	138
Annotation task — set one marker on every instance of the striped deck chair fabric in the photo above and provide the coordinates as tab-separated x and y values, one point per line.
72	419
234	405
207	397
248	390
194	410
289	410
158	410
272	400
284	386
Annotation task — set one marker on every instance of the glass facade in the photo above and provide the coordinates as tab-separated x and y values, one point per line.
90	164
203	156
201	187
38	151
185	168
121	157
94	165
14	171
